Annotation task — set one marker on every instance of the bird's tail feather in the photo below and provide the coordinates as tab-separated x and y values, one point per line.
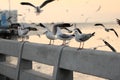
93	33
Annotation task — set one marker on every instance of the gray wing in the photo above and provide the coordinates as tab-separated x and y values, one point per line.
27	3
45	3
64	36
85	37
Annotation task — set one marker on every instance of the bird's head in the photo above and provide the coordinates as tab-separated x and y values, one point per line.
78	30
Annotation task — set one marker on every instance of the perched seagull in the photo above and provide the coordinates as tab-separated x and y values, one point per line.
63	36
118	21
38	8
107	29
23	31
111	47
80	37
49	34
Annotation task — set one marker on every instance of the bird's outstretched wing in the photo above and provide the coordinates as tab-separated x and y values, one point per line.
30	28
118	21
68	30
111	47
45	3
99	24
114	32
62	25
27	3
40	24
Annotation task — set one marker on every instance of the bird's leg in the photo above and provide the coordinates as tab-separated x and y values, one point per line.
53	41
22	38
63	42
50	42
82	45
79	46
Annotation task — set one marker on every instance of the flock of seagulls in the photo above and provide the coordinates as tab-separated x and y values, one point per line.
19	30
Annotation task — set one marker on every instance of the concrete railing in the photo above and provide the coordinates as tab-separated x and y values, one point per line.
65	61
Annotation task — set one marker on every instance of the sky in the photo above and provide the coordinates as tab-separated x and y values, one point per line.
66	10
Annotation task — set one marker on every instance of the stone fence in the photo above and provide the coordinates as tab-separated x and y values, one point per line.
65	60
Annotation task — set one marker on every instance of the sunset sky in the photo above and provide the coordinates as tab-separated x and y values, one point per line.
67	10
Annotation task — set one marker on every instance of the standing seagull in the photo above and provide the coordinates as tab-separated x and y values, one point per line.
80	37
38	8
107	29
49	34
63	36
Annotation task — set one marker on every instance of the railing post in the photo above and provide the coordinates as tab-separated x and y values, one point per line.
22	63
61	74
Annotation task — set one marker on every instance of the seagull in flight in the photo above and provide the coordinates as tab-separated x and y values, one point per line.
107	29
118	21
38	8
62	26
98	8
110	46
81	37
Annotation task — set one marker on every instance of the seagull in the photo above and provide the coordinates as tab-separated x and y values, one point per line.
81	37
38	8
63	36
23	31
49	34
98	8
118	21
61	25
107	29
111	47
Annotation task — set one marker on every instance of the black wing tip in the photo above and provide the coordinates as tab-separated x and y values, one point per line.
98	24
